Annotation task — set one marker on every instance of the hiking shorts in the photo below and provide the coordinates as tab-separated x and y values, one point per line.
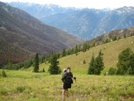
66	85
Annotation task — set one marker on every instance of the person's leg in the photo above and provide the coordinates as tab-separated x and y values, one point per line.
65	91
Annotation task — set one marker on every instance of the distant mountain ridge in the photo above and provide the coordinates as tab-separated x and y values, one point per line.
19	29
112	36
84	23
41	10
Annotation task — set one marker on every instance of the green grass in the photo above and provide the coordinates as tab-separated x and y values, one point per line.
110	50
24	85
28	86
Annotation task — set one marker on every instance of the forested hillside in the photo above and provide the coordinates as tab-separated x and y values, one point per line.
19	29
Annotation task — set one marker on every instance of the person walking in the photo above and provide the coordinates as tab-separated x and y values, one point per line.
67	80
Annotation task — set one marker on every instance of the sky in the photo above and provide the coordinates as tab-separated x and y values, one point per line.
98	4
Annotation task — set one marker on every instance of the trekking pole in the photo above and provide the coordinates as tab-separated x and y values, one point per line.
75	79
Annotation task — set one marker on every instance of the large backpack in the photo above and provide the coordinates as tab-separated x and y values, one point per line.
68	78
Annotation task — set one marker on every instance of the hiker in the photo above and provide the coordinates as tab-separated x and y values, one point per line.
67	80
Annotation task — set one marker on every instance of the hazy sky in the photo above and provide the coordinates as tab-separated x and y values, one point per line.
99	4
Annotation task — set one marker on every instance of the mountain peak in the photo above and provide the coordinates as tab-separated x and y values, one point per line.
125	9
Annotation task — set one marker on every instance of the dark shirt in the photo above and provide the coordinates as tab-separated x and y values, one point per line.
65	76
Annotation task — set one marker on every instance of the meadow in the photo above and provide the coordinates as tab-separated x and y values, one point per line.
29	86
24	85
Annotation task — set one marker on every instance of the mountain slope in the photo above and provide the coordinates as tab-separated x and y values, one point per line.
84	23
13	53
90	23
117	19
110	50
112	36
80	23
21	30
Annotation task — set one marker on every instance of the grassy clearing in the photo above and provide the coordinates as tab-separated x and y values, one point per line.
28	86
24	85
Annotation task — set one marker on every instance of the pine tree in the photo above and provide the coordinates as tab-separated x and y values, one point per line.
85	47
36	63
28	63
76	50
63	53
114	38
91	66
125	61
10	65
99	65
68	52
42	59
93	44
96	65
107	40
54	68
132	63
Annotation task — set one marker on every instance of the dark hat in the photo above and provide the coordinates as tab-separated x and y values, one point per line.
68	68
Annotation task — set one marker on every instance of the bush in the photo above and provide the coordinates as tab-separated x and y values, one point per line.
4	74
43	70
3	92
84	62
112	71
20	89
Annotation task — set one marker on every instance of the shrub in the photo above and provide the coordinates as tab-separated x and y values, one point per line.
3	92
4	74
20	89
84	62
112	71
43	70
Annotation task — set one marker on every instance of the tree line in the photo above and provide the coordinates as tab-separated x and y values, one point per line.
125	65
65	52
24	64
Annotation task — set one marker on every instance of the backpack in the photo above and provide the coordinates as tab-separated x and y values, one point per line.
68	79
